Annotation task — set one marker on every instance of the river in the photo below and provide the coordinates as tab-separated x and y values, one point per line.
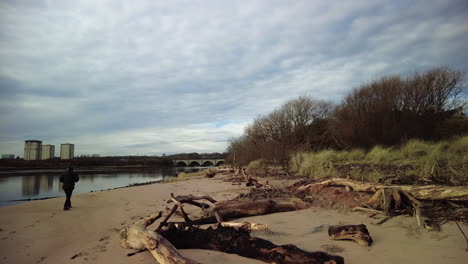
23	188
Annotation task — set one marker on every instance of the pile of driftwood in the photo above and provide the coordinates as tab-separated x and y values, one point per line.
386	200
390	200
227	237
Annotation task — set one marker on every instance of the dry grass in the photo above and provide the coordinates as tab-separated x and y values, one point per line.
184	176
445	161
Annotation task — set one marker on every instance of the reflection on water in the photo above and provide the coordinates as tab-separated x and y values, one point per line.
16	189
36	184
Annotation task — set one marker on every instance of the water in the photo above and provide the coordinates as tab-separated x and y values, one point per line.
21	188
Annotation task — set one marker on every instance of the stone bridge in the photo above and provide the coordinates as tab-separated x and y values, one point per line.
197	162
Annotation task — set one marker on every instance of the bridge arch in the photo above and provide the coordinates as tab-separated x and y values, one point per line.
194	163
181	164
219	163
207	163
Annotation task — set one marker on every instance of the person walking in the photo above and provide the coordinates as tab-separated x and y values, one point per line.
69	178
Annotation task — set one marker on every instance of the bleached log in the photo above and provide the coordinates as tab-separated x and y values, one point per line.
246	226
426	192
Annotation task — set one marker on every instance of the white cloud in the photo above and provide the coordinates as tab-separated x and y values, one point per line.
112	74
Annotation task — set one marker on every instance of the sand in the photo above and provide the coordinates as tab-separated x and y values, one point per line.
41	232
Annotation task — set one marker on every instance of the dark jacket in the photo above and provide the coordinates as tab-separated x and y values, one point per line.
69	178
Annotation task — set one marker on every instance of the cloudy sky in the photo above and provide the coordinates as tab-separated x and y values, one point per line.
152	77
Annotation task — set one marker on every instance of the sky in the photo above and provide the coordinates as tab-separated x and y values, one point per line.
152	77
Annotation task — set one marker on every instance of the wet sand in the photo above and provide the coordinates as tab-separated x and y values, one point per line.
41	232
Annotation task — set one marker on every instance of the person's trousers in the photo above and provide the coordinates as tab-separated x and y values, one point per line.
68	193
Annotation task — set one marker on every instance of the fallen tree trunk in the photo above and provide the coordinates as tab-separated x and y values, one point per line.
138	237
242	208
426	192
238	208
240	242
233	240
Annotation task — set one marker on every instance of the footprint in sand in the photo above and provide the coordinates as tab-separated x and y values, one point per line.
319	228
41	260
104	238
439	237
79	255
331	249
100	248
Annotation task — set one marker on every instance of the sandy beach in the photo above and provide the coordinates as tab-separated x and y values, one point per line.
41	232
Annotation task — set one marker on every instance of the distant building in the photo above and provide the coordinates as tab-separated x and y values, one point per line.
48	152
32	149
67	151
8	156
95	155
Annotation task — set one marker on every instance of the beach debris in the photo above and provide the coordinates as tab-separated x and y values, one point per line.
241	175
437	202
211	173
357	233
424	192
136	236
232	209
233	238
239	241
245	225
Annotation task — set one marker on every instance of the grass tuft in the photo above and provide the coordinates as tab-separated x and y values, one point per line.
315	164
257	164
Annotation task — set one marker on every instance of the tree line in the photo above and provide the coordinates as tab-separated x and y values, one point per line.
388	111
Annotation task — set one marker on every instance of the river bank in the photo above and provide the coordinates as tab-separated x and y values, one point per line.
5	172
41	184
40	232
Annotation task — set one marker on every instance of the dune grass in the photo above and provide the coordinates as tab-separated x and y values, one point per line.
445	161
184	176
256	164
261	164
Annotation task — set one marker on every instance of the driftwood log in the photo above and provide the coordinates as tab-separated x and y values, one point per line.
163	242
232	209
426	192
138	237
243	208
240	242
357	233
400	199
